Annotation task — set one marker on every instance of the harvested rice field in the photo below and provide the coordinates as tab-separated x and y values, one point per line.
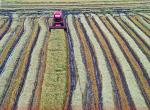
101	61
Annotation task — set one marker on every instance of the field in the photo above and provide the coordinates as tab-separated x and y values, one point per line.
102	61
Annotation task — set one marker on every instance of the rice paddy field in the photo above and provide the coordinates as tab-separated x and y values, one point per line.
102	61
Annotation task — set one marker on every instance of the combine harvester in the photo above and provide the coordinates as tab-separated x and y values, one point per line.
58	21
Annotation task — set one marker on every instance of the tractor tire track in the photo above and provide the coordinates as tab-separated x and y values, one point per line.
138	77
20	72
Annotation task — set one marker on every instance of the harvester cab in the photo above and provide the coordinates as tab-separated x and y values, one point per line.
58	21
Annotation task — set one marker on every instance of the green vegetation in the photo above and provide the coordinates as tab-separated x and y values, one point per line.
55	77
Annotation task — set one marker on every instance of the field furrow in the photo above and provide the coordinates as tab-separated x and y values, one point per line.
139	54
20	72
29	86
81	80
8	70
139	42
55	82
131	78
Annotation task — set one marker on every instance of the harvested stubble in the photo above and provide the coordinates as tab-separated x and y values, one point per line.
55	78
20	71
130	78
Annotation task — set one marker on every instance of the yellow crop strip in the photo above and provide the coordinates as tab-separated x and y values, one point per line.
55	78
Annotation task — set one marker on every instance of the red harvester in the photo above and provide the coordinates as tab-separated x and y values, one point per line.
58	21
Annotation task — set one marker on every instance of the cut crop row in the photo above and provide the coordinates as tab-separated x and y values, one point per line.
131	78
140	44
19	76
81	71
140	33
100	61
139	25
27	93
12	61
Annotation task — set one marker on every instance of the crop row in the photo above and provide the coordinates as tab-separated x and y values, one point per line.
101	62
117	68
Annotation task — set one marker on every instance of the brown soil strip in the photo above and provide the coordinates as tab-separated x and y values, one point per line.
90	66
122	95
20	72
135	37
37	95
139	25
11	41
144	86
4	29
